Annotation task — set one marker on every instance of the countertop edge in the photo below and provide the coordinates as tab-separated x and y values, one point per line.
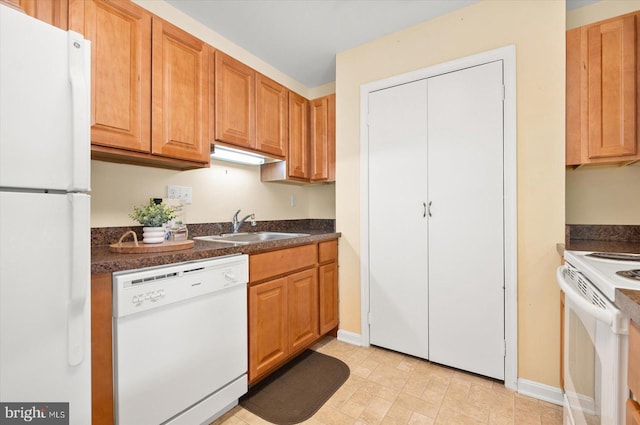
628	301
103	261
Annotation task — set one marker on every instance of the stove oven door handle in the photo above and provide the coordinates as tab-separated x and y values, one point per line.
580	301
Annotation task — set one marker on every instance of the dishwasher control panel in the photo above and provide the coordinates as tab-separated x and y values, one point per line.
145	289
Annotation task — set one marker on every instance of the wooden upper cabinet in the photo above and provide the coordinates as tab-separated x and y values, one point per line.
298	155
53	12
322	140
271	116
179	98
576	98
234	102
603	73
612	88
120	34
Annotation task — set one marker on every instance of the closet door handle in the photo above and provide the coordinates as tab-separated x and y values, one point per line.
424	209
429	208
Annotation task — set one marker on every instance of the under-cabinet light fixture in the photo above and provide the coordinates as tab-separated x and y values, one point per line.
233	155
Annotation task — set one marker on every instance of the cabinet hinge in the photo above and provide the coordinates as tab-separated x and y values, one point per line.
504	92
504	348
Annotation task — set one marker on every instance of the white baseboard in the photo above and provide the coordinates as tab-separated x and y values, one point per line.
541	391
350	337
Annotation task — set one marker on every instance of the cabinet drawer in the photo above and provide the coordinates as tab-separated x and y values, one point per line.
633	413
274	263
634	359
328	251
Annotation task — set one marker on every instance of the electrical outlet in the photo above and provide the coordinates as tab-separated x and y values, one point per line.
183	193
293	200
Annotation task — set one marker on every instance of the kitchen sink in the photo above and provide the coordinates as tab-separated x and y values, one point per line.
247	238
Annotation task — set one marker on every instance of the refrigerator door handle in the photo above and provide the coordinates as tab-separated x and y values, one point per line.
80	272
79	77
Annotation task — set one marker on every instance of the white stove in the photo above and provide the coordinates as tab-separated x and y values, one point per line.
602	270
595	341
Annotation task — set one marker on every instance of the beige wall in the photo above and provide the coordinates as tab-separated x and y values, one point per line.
603	194
219	191
537	29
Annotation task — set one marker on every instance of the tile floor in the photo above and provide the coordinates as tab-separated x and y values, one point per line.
388	388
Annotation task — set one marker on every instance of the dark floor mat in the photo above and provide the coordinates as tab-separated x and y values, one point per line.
296	391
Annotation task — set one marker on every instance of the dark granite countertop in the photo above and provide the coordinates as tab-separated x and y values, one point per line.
105	261
609	238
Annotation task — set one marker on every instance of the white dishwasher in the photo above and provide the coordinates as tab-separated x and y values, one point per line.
180	341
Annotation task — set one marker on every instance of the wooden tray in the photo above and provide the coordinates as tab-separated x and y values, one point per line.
136	247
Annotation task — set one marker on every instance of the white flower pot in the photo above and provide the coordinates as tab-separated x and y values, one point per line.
153	234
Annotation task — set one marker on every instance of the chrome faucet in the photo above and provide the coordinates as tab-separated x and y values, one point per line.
236	224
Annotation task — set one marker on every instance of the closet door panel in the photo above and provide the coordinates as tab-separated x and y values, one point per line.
466	241
397	218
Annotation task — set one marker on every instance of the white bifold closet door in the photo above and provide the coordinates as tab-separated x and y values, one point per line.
436	219
466	228
398	226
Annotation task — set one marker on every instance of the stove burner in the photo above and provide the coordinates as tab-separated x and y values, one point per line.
615	256
630	274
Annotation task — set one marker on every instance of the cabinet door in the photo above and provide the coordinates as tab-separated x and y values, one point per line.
322	139
271	116
54	12
179	97
235	102
120	34
268	338
101	350
303	309
328	288
633	413
612	88
298	155
577	101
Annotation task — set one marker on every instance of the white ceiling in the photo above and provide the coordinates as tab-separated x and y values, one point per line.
301	37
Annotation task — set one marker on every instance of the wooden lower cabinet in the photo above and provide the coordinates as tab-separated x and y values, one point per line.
101	352
633	413
303	309
293	302
268	323
328	298
328	285
283	319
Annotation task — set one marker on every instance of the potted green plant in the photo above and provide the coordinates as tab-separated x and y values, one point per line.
153	217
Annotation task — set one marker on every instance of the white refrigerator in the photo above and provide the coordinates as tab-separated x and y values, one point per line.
45	340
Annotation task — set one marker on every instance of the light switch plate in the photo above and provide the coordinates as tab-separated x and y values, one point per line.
183	193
